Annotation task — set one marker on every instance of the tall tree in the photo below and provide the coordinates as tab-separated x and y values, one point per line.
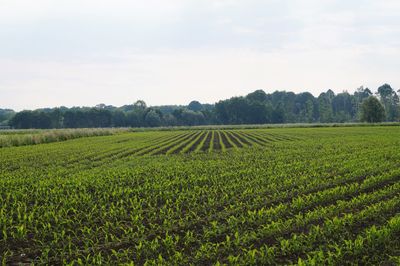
344	107
152	118
372	110
325	107
5	116
390	101
257	96
195	106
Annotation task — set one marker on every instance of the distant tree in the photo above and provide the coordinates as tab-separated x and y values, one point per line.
257	96
390	101
140	104
101	106
330	94
134	119
208	107
287	100
140	108
385	91
325	107
258	113
127	108
170	120
257	107
360	94
306	108
221	112
56	117
22	119
95	117
119	118
209	116
42	120
344	107
195	106
372	110
31	119
242	110
5	116
191	118
69	120
237	108
152	119
278	114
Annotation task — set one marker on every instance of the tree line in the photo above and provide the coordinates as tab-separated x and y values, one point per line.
5	116
257	107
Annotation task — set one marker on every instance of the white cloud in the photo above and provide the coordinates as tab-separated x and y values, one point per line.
178	77
83	52
23	11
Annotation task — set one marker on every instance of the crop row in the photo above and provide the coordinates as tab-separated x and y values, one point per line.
102	150
214	140
304	196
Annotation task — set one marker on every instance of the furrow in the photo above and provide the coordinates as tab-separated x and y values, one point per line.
160	149
226	142
253	139
242	138
216	141
178	148
203	142
207	142
236	142
196	143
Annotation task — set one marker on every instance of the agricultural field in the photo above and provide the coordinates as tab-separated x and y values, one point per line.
275	196
13	138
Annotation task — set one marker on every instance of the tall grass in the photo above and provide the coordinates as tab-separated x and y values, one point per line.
13	138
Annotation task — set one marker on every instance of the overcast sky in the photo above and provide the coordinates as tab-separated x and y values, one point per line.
85	52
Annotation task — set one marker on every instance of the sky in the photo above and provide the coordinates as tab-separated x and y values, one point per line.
86	52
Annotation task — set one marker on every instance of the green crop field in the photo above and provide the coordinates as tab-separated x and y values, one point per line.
307	196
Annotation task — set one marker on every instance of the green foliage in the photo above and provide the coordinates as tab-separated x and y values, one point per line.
195	106
257	107
5	116
279	196
11	138
372	110
390	101
152	119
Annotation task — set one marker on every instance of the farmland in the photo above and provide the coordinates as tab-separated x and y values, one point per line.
13	138
307	196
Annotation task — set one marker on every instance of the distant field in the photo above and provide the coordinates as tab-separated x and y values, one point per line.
14	138
262	196
23	137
